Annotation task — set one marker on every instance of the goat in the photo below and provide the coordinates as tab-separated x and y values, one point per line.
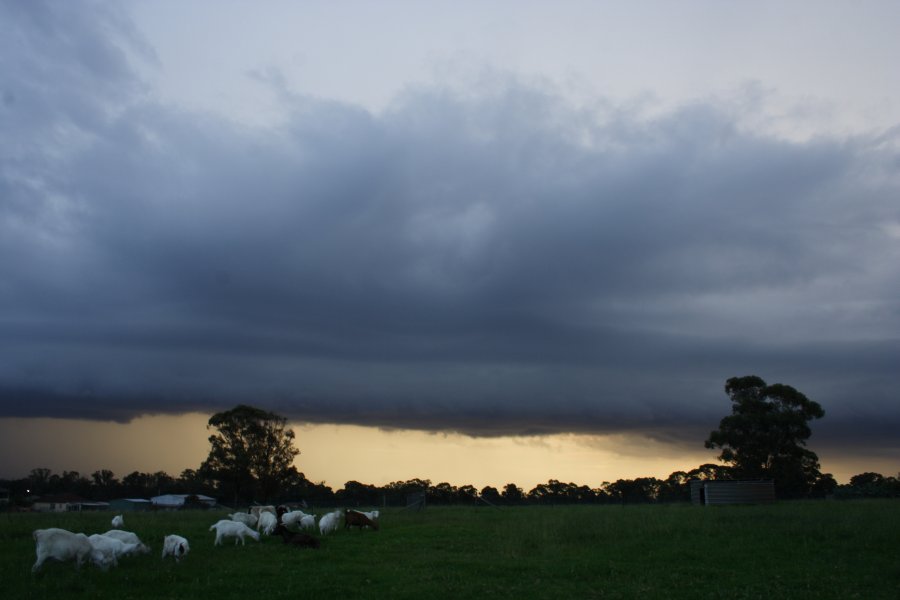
129	538
175	545
267	523
372	514
62	545
308	522
118	521
301	540
329	522
110	548
247	518
235	529
293	517
354	518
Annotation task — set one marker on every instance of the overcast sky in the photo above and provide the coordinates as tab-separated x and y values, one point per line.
493	218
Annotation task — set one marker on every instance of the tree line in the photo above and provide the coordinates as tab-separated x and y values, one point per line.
103	485
251	459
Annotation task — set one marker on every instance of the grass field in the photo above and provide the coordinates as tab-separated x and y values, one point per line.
787	550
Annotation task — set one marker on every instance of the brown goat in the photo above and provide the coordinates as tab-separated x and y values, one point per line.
301	540
354	518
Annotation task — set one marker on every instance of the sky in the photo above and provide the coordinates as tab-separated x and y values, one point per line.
467	241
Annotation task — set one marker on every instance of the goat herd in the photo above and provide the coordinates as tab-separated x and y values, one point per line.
105	549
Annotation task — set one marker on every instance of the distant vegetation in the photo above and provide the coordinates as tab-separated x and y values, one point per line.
103	485
252	453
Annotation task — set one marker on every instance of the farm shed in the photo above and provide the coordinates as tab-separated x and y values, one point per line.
732	492
176	501
129	504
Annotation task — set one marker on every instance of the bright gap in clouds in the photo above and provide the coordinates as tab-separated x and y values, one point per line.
337	454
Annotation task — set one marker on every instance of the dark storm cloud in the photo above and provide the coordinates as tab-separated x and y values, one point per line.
494	263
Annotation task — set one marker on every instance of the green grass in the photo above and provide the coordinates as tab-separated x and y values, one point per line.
787	550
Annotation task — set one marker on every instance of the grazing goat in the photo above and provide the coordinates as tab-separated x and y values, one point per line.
118	522
308	522
301	540
129	538
354	518
110	548
329	522
175	545
235	529
247	518
267	523
293	517
373	514
62	545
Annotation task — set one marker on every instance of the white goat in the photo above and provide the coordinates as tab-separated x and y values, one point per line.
118	521
329	522
293	517
372	515
63	545
175	545
129	538
110	548
235	529
247	518
308	522
267	523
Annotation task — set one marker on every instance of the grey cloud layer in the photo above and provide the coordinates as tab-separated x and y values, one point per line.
495	262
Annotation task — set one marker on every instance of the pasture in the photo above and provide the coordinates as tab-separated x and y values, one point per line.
787	550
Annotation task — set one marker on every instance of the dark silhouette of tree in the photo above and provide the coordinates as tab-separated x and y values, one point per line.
823	486
867	479
869	485
250	454
512	494
105	484
441	493
297	488
490	494
631	491
397	491
39	480
355	493
765	436
708	471
466	494
675	488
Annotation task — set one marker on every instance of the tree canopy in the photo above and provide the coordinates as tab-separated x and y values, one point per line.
251	453
765	436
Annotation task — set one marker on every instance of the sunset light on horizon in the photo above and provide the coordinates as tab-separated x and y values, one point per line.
473	242
336	454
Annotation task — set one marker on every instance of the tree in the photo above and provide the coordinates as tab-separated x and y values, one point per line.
490	494
765	435
512	494
104	482
251	453
39	479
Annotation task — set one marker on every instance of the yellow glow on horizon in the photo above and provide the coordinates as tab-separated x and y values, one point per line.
336	454
341	453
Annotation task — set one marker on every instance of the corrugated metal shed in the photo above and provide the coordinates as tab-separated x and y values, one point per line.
732	492
130	504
